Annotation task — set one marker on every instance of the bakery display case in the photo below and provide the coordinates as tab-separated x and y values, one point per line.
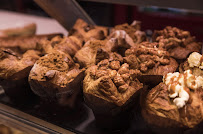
69	75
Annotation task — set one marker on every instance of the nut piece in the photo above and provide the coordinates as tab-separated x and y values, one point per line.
118	80
123	88
115	65
124	69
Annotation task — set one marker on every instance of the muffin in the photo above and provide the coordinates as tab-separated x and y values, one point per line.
83	30
93	50
118	41
175	104
56	78
14	71
151	61
177	42
133	31
69	45
110	89
195	63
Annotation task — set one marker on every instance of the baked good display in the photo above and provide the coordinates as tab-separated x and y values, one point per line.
56	78
194	63
151	61
177	42
83	30
25	43
69	45
133	30
14	71
103	71
109	89
176	103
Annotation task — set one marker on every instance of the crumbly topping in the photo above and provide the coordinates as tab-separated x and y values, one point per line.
179	86
145	56
119	73
172	37
195	60
56	61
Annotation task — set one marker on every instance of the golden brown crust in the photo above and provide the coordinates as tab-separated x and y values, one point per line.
69	45
159	110
15	66
107	88
25	43
177	42
85	31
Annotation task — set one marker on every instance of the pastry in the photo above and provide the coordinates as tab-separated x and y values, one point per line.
25	43
83	30
176	103
151	61
56	78
14	71
177	42
19	30
109	89
69	45
118	41
94	51
133	31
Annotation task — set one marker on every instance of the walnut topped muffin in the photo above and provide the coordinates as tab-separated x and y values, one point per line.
177	42
150	59
110	89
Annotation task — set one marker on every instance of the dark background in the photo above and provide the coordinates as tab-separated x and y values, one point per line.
111	14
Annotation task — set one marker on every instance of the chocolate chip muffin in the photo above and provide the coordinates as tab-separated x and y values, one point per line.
55	77
177	42
14	72
174	104
110	89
